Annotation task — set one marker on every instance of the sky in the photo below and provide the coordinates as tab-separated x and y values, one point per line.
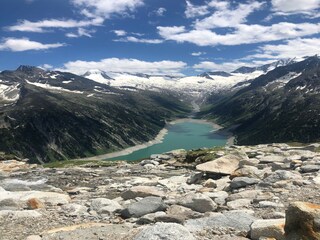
179	37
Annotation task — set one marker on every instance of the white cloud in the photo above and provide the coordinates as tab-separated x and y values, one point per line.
196	54
139	40
160	12
295	6
296	48
195	11
243	34
289	49
120	33
45	25
126	65
80	33
107	8
227	17
46	66
24	44
226	66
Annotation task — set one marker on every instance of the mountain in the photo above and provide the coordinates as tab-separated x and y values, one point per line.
281	105
210	75
52	115
266	67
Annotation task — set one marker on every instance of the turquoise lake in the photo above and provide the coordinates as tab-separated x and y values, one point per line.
186	135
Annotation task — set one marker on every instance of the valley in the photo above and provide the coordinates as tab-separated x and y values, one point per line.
52	115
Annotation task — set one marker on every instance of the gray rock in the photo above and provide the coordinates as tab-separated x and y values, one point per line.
240	182
195	178
9	204
198	202
282	175
248	194
272	158
105	206
238	220
150	218
270	228
310	168
268	204
165	231
142	191
143	207
239	203
73	209
181	213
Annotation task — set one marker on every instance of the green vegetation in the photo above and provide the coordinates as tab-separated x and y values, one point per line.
203	155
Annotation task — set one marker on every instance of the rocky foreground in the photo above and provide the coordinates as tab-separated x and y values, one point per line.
237	192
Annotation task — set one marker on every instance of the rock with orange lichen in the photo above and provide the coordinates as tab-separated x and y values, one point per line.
34	203
303	221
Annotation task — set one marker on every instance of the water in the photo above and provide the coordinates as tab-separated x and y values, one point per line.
187	135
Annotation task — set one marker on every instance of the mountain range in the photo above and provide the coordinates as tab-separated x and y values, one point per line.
53	115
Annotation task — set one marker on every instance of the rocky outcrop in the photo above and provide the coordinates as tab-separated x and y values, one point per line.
266	194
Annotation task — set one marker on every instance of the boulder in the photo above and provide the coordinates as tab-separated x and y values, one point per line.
198	202
238	220
240	182
105	206
143	207
142	191
270	228
195	178
162	231
224	165
303	221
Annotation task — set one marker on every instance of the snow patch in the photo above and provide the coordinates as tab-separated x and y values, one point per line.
49	87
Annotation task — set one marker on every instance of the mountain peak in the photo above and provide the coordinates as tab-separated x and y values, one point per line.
28	69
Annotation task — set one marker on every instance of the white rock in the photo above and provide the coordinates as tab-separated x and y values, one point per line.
105	206
271	228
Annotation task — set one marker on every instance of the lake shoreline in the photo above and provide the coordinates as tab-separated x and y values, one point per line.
159	138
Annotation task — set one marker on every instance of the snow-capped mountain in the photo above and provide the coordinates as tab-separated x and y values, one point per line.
202	84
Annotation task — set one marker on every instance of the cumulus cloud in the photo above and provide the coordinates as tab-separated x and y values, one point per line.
108	8
286	7
243	34
80	33
225	16
289	49
46	66
24	44
197	54
160	12
45	25
139	40
126	65
120	33
193	11
225	66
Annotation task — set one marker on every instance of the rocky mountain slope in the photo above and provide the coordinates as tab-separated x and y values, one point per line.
49	115
233	193
279	106
195	86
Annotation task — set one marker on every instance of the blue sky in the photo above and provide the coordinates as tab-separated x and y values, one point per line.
156	36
